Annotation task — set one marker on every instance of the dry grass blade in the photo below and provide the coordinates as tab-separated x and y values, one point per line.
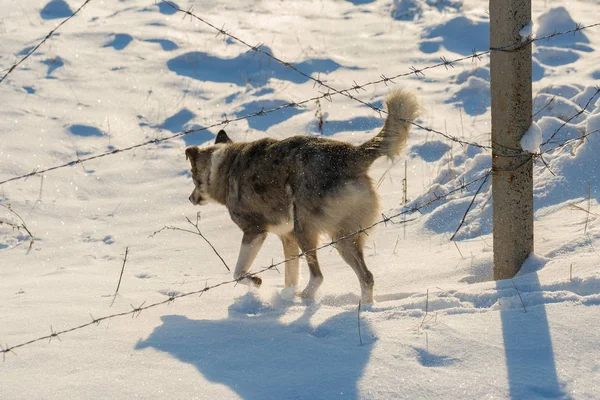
469	208
20	226
519	293
196	232
589	205
359	334
122	269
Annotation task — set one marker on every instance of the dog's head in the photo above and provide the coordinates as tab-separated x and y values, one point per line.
201	160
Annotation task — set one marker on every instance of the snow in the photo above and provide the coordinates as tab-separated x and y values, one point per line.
559	19
527	32
126	72
532	138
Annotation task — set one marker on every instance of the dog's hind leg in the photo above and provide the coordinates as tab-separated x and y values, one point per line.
307	240
292	267
316	277
351	251
251	243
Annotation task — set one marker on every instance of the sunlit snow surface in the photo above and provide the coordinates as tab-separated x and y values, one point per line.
126	72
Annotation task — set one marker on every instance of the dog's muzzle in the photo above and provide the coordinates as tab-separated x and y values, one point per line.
197	200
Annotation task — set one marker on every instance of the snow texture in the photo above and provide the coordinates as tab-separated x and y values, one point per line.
126	72
527	32
532	139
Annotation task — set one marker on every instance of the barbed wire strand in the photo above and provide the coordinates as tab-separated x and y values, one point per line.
35	48
322	83
346	92
571	118
225	122
264	112
135	311
413	71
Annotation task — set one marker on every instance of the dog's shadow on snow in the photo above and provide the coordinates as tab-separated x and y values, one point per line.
260	357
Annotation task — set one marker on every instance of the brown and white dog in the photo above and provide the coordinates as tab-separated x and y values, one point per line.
299	188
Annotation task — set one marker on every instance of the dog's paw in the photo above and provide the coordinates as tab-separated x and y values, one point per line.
289	293
256	280
307	296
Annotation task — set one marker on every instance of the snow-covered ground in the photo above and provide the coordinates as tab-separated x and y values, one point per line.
124	72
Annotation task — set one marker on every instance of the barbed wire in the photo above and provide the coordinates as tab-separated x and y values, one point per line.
519	45
444	62
135	311
346	92
571	118
35	48
227	121
321	83
566	143
413	71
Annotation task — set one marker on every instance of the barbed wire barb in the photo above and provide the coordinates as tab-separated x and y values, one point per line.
53	335
385	79
6	349
446	62
137	310
275	266
205	289
416	71
94	320
386	220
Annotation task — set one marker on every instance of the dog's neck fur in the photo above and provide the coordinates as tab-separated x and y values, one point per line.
217	182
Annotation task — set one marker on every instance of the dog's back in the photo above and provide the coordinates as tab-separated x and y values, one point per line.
326	180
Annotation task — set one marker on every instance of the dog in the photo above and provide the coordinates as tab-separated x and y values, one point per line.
299	188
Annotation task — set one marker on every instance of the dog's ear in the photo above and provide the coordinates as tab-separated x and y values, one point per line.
191	153
222	138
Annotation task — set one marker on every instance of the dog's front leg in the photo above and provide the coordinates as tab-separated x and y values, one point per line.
251	243
292	267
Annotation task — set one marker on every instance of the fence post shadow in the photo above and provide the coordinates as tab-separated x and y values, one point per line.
529	352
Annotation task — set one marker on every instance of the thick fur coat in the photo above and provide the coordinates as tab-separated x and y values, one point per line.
299	188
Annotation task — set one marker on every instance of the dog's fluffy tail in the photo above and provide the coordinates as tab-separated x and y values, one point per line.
403	108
